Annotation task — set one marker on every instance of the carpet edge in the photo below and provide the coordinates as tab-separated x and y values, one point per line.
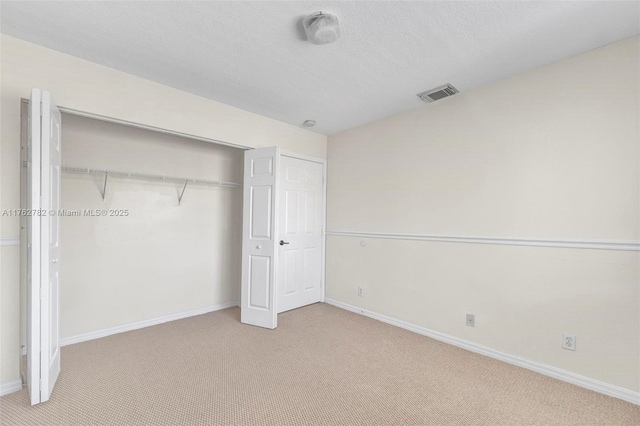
544	369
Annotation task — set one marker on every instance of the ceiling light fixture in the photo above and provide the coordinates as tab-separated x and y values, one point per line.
309	123
321	28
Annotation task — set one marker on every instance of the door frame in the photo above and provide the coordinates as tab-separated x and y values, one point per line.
323	239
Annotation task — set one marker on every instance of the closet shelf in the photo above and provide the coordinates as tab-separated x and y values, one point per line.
142	176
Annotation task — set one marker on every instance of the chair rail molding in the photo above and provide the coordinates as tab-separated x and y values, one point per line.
531	242
9	241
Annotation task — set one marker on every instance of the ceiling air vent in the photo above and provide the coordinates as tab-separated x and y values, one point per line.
439	92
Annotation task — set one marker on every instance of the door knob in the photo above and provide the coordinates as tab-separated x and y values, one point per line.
282	242
55	260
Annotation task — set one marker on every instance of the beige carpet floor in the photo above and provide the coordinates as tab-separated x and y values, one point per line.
322	365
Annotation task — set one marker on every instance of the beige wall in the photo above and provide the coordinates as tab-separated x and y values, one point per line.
85	86
550	154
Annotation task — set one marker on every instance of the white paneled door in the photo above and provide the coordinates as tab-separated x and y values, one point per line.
43	246
300	217
283	239
260	195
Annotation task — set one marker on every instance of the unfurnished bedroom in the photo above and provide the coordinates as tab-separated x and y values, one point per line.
320	213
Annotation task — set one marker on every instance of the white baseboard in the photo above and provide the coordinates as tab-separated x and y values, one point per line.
7	388
142	324
547	370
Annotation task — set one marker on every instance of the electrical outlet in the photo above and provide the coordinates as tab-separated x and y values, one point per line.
569	341
471	320
360	291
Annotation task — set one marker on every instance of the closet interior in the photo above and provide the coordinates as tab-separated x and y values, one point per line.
151	226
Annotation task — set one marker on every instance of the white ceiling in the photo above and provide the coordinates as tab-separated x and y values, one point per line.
254	56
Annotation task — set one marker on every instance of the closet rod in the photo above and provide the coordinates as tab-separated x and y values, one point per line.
131	175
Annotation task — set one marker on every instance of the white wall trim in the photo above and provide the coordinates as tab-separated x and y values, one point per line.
299	156
10	241
547	370
91	115
10	387
534	242
142	324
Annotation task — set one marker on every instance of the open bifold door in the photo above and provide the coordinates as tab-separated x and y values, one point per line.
43	246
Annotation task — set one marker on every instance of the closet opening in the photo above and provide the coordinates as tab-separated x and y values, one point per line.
150	226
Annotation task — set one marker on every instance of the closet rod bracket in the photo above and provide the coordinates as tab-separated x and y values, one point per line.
182	193
104	186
